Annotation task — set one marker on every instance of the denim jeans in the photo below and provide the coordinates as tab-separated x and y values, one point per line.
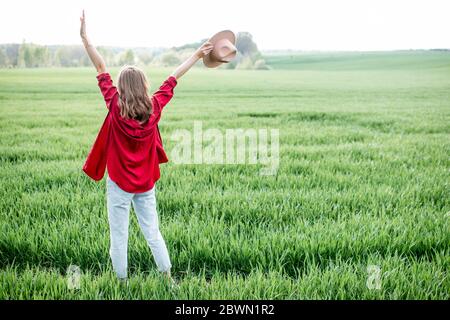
144	204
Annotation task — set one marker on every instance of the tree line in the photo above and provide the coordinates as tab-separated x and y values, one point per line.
30	55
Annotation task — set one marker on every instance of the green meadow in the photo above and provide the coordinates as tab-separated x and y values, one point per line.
363	180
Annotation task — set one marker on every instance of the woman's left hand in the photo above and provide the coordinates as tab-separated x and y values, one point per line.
83	26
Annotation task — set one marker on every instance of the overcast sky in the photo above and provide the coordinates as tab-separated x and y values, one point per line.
275	24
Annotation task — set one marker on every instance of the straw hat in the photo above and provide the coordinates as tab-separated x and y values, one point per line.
224	49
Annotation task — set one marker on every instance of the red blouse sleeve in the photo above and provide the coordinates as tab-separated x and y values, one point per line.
108	90
164	94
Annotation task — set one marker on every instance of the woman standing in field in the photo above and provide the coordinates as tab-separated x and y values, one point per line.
130	146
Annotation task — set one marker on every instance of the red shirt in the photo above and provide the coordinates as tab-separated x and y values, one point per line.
131	151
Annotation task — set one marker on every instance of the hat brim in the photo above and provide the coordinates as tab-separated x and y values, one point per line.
208	61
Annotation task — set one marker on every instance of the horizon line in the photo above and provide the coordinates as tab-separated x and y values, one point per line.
262	50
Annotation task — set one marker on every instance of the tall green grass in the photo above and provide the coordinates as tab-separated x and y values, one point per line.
363	180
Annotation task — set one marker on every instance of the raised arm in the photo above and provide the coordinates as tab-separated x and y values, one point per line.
93	54
198	54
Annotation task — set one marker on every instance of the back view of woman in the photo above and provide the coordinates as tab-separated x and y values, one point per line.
129	146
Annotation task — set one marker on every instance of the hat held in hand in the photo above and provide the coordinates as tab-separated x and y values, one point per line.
223	49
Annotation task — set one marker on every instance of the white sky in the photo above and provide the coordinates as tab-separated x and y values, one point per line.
275	24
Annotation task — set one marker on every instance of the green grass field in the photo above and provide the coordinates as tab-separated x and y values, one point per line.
363	180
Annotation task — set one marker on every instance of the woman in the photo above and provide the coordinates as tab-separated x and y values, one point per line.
129	146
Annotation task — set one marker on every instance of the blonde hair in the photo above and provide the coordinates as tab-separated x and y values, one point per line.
134	101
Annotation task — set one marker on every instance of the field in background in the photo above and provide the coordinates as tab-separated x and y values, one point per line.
363	180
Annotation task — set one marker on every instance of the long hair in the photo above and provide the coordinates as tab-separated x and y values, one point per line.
134	101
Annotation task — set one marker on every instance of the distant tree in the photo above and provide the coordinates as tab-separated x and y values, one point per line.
38	56
145	58
28	55
248	56
127	58
41	56
170	58
245	44
21	56
260	65
245	63
12	52
4	61
193	45
25	57
185	53
107	55
71	56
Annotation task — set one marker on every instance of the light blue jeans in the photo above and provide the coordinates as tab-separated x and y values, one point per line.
144	204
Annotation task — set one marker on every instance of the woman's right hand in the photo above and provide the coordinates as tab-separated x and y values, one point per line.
204	50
